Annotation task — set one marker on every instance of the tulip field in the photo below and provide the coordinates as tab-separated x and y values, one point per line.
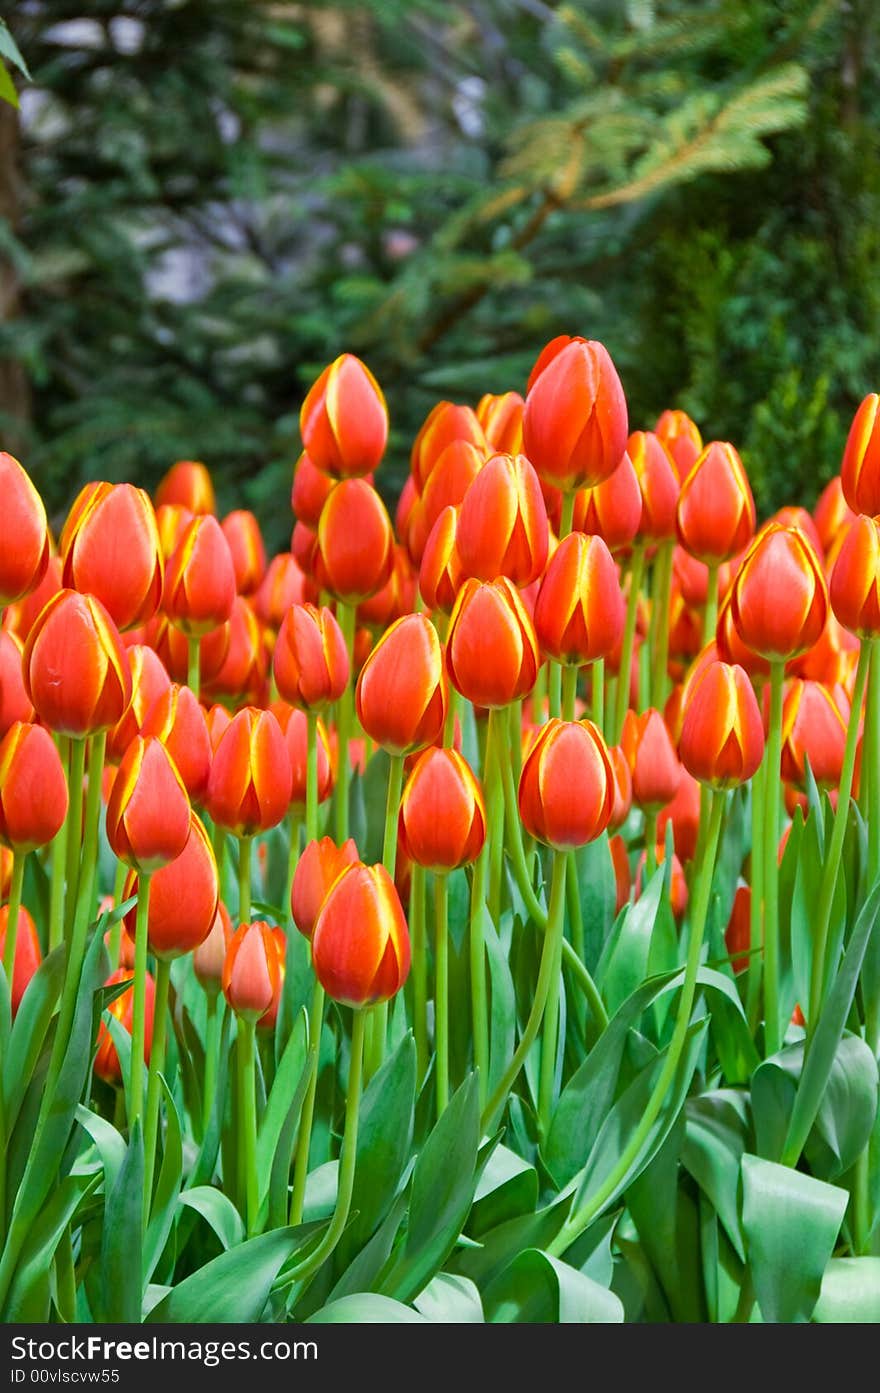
468	915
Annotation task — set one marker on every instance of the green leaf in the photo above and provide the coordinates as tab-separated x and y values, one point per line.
384	1141
597	888
110	1144
850	1291
10	50
714	1142
8	92
507	1187
848	1109
502	1021
218	1211
29	1296
289	1085
164	1204
366	1308
121	1252
624	966
538	1288
448	1299
773	1089
791	1223
29	1030
234	1287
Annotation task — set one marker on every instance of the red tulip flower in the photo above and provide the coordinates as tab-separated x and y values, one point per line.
682	439
715	518
442	813
455	469
15	704
738	934
33	789
200	579
401	693
149	681
177	719
658	485
209	956
501	418
440	572
184	897
27	953
246	546
107	1066
653	763
580	611
860	467
492	653
281	586
189	485
310	661
250	783
813	729
24	535
148	813
242	674
344	419
110	548
252	972
311	489
855	580
779	600
722	736
355	553
502	526
575	418
445	423
613	509
360	945
832	514
75	669
567	785
318	869
295	730
172	520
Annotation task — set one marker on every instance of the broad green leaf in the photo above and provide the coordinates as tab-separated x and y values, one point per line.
500	1245
218	1211
848	1109
110	1144
28	1301
654	1203
287	1083
774	1085
28	1035
8	91
164	1204
508	1186
362	1273
591	1251
538	1288
714	1142
450	1300
366	1308
384	1140
502	1021
624	966
234	1287
850	1291
791	1222
597	888
121	1252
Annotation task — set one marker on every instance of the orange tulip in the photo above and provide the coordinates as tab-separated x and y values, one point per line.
310	661
401	694
623	788
148	813
579	613
281	587
738	934
149	681
395	599
200	579
622	873
24	535
210	955
501	419
304	549
218	721
492	654
184	896
110	548
812	728
5	873
355	553
567	785
832	514
33	789
250	784
318	869
177	719
444	423
344	419
360	946
27	953
860	466
187	483
107	1065
613	509
658	485
242	674
251	972
502	526
25	612
653	763
682	439
15	704
722	735
76	673
715	517
442	813
311	489
247	549
172	520
270	1016
294	726
575	418
855	580
455	469
440	572
779	600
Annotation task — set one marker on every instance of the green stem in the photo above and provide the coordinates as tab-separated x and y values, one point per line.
479	1003
193	666
577	1222
554	689
346	616
14	907
292	859
650	845
212	1058
548	964
569	692
97	749
441	991
710	614
449	724
157	1065
419	969
311	776
307	1117
772	1026
244	880
756	908
660	624
495	762
598	694
247	1120
636	572
514	738
549	1038
392	809
59	858
138	1024
75	827
567	515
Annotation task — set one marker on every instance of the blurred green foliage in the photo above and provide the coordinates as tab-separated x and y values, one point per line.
216	199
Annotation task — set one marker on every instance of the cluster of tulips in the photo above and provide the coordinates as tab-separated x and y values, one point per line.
570	634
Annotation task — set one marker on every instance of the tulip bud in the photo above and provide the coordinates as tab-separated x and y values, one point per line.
613	509
149	681
218	720
318	869
360	945
344	419
715	517
107	1065
440	573
442	813
281	587
779	600
251	972
304	547
210	955
242	674
501	419
623	789
295	727
860	466
188	484
247	549
183	897
580	611
812	729
171	522
832	514
682	439
33	789
250	783
14	701
653	763
172	647
658	485
148	814
310	661
456	468
110	548
738	934
177	719
445	422
622	874
855	580
401	693
395	599
311	489
575	418
270	1016
722	736
26	611
492	654
200	579
24	535
567	786
27	953
355	554
75	669
5	873
502	527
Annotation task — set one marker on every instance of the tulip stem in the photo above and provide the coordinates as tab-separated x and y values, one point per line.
756	908
554	689
650	844
59	858
569	692
477	946
193	665
597	673
86	889
75	827
566	517
13	908
831	866
772	1031
660	624
116	929
419	969
307	1116
449	724
577	1222
636	572
441	990
346	616
392	808
292	859
311	776
247	1121
710	614
547	974
244	880
494	781
539	695
212	1054
550	1033
347	1158
154	1072
138	1023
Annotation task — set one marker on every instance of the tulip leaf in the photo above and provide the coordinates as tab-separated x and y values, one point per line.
539	1288
499	1246
791	1222
624	963
850	1292
848	1109
29	1296
5	1013
29	1030
218	1211
502	1023
507	1187
233	1288
385	1133
164	1204
110	1144
366	1308
450	1300
121	1252
362	1272
597	887
289	1084
714	1141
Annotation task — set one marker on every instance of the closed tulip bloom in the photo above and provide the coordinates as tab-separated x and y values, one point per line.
149	681
304	549
623	788
200	579
171	645
682	439
5	873
110	548
502	526
813	729
492	653
209	956
177	719
793	515
580	611
344	419
184	896
855	580
218	721
27	953
33	789
501	418
575	418
622	872
442	813
730	647
15	704
453	473
355	553
148	813
653	763
409	496
75	668
395	599
658	485
188	484
550	351
779	600
247	548
107	1066
250	784
684	814
832	514
242	674
445	422
172	520
715	518
613	509
281	586
722	736
311	489
251	972
860	466
738	934
270	1016
24	534
25	612
692	578
360	945
401	693
317	870
310	661
295	736
440	572
567	786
